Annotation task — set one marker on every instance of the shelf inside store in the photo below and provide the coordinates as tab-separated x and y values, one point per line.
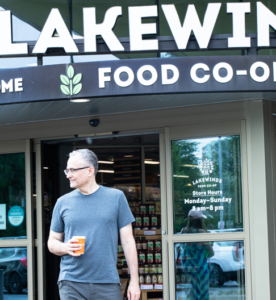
144	294
145	232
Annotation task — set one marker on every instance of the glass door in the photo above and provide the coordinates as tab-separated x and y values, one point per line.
16	240
207	212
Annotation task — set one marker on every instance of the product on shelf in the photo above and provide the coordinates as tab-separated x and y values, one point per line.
146	222
142	255
160	279
143	209
154	278
148	279
146	269
151	209
153	269
150	257
144	243
141	267
138	223
159	269
150	245
154	221
141	279
157	245
138	243
157	257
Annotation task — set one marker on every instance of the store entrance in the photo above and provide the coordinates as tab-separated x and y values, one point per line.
128	163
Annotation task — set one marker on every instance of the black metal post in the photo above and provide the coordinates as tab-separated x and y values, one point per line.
71	23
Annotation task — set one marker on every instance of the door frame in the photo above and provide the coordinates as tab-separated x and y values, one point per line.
24	146
191	132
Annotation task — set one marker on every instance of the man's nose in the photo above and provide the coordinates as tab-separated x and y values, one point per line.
69	175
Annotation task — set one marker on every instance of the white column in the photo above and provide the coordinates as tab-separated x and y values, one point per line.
258	225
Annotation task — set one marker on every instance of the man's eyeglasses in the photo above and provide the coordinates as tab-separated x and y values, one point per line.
67	171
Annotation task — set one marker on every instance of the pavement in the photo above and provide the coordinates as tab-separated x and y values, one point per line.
229	291
23	296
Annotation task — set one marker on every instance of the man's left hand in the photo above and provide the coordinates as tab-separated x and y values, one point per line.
133	292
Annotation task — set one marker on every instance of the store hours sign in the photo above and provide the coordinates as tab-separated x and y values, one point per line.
207	192
138	77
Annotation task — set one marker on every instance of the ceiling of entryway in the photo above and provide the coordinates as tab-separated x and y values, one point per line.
58	110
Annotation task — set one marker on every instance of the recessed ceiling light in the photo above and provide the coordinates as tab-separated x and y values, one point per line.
151	162
181	176
105	171
105	162
79	100
128	156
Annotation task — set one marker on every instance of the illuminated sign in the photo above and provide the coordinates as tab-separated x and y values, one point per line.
181	30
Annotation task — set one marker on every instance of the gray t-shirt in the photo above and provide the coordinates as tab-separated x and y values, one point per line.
98	217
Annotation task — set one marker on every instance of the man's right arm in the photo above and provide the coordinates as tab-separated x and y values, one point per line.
58	247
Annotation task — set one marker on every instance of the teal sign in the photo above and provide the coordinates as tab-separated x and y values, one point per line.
16	216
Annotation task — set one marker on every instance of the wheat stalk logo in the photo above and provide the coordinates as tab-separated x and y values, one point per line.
71	85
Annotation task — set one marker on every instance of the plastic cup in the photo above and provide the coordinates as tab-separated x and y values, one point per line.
81	241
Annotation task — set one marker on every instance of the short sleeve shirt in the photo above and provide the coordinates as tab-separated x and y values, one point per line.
99	217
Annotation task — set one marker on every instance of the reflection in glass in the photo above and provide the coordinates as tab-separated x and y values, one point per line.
13	262
209	270
207	184
12	196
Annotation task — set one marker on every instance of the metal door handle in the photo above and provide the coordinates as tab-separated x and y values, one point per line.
164	232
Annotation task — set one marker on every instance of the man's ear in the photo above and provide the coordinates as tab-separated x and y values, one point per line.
91	171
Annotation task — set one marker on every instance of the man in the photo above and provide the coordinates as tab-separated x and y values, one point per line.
97	213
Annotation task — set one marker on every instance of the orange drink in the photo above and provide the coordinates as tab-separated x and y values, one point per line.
81	241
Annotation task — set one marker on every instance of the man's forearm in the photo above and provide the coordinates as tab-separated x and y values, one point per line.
57	247
132	261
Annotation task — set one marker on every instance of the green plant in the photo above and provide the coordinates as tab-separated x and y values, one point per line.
71	85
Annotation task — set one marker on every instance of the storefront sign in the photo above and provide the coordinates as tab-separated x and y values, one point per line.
3	217
134	77
16	216
137	29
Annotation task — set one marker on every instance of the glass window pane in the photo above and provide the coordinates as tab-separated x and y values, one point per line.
207	189
12	196
13	262
121	28
209	270
17	62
